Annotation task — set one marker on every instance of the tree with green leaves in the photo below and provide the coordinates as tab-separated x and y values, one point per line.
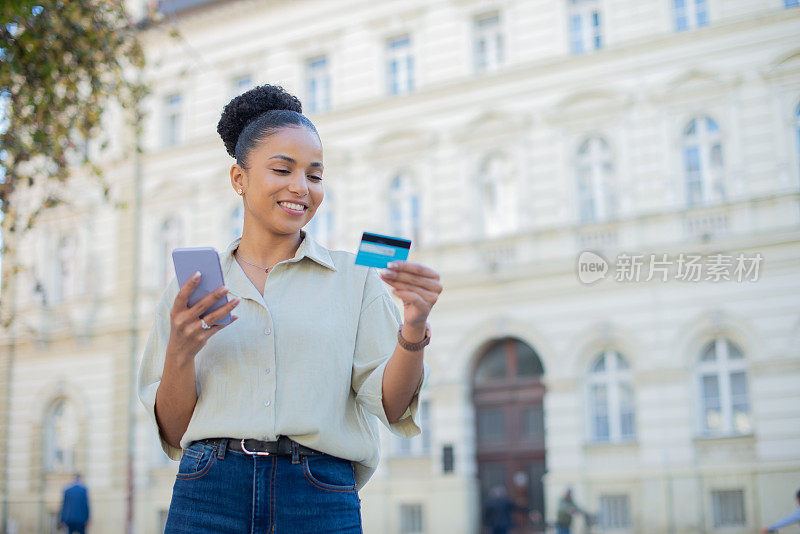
61	63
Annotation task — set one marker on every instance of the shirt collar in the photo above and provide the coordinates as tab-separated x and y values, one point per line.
308	248
238	283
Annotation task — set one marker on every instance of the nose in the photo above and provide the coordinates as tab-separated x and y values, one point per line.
298	183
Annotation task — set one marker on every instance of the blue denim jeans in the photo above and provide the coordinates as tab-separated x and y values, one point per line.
222	491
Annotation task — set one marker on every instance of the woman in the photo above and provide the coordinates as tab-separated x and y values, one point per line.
271	415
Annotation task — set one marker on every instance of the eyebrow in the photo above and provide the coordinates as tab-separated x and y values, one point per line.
291	160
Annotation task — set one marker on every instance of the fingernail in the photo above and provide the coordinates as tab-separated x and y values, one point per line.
392	265
223	290
196	275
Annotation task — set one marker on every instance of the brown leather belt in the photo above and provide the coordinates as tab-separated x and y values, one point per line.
256	447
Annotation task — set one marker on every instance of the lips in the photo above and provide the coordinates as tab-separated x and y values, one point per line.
291	211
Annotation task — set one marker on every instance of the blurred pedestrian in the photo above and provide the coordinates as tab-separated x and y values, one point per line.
75	508
566	509
794	517
499	510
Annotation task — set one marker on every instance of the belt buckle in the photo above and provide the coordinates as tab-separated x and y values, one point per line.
254	453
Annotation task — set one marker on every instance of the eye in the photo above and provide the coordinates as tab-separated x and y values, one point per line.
283	171
315	178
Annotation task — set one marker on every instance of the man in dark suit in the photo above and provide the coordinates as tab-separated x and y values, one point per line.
75	509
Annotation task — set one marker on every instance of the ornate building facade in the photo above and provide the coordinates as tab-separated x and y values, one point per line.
507	138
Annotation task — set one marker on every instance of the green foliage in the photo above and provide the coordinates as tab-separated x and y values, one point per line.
61	62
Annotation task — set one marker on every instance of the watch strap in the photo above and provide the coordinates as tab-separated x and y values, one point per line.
414	346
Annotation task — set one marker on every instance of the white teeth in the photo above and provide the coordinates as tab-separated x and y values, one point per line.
290	205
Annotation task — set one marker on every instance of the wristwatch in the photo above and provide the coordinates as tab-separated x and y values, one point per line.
414	346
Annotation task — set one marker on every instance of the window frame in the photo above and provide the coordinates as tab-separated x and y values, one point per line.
614	500
694	12
404	206
722	367
717	515
318	83
495	219
613	378
173	109
488	53
592	156
709	177
587	36
399	65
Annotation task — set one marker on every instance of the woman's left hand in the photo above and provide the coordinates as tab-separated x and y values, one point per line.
417	286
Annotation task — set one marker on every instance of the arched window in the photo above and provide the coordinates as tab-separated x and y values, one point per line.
66	275
60	437
596	196
497	194
404	208
322	225
702	157
610	397
722	375
236	222
170	237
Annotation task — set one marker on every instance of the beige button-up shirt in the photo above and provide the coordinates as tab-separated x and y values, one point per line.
306	360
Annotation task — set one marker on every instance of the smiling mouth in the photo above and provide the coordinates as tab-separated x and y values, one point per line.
294	209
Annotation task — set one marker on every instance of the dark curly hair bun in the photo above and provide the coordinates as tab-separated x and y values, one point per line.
245	108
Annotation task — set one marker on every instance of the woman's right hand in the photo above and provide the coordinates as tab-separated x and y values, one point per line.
187	336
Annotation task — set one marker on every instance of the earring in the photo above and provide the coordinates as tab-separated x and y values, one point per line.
240	191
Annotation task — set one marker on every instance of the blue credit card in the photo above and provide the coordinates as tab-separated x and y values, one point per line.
378	250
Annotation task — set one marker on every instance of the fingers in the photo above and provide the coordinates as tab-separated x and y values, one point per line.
414	269
182	298
206	302
218	314
428	283
429	296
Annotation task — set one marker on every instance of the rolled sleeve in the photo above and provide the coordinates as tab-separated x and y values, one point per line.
376	340
151	369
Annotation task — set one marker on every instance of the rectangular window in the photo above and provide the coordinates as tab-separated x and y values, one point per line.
411	519
488	43
689	14
728	508
615	512
173	113
585	31
399	66
601	430
318	84
739	403
448	460
712	404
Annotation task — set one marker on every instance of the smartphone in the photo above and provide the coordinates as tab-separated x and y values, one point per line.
189	260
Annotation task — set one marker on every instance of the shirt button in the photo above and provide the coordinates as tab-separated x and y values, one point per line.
267	331
267	403
268	370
